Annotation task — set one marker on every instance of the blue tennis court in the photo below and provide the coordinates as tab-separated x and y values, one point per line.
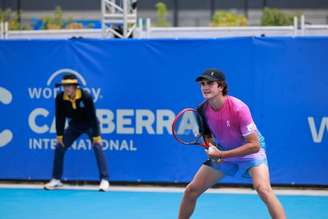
86	204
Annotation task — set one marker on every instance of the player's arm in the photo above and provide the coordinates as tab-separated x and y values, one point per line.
96	138
251	146
60	119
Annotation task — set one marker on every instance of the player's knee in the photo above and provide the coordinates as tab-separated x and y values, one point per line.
265	191
97	146
59	148
192	191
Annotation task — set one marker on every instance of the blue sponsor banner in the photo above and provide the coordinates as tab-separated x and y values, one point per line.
139	85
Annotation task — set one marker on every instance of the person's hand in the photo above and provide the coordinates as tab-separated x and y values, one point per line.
97	140
60	141
213	153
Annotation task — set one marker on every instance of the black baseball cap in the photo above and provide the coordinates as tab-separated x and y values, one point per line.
211	74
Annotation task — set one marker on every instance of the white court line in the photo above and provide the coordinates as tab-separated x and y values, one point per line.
293	192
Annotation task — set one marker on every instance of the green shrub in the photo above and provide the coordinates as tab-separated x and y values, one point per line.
13	20
275	17
161	11
5	15
55	21
226	19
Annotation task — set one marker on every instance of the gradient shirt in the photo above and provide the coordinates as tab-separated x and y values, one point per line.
231	124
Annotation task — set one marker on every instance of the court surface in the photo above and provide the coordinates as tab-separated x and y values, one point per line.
150	203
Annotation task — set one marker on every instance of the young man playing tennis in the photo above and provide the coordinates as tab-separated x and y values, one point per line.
241	146
76	105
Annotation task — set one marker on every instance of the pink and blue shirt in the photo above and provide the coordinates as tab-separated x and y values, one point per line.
230	124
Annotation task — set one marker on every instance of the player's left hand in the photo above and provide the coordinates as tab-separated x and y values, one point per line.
213	152
97	140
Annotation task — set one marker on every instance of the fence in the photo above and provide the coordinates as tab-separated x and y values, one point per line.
149	32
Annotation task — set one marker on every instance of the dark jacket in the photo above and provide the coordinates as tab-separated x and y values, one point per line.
81	113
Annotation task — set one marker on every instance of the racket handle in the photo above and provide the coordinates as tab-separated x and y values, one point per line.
206	144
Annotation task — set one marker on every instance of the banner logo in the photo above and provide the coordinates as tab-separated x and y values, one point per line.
5	135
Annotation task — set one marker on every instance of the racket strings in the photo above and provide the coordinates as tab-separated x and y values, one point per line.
187	128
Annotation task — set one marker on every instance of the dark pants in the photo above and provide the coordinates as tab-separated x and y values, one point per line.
70	135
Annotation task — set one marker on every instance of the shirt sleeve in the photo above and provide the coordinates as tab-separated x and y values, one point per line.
246	123
60	117
92	115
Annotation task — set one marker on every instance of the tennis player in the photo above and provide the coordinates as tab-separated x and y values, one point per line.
77	106
241	150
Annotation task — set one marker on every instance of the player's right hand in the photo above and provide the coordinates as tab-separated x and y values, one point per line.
60	141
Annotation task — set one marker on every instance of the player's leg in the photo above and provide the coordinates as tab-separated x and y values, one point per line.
261	183
70	135
101	159
101	163
205	178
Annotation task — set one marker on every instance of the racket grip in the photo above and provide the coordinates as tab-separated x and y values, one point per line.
206	144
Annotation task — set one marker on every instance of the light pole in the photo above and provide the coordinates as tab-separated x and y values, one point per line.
18	9
212	8
175	13
246	8
264	3
3	4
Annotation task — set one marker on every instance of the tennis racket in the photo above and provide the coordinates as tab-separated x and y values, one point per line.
187	128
